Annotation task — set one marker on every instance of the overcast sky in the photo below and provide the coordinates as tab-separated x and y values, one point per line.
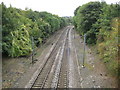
58	7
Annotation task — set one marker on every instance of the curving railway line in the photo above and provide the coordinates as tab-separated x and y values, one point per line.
60	68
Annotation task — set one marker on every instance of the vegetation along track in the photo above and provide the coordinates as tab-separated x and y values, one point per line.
41	76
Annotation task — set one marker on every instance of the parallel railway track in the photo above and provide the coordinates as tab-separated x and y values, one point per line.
44	74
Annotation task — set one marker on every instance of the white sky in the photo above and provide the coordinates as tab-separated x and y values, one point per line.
58	7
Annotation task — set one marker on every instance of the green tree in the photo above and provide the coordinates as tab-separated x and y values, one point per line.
19	26
85	17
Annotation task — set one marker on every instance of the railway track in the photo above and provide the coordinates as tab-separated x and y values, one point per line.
60	80
63	76
48	74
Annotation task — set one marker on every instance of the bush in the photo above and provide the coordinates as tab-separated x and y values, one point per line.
85	17
108	49
101	22
19	26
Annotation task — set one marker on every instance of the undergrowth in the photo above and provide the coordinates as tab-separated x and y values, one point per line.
108	49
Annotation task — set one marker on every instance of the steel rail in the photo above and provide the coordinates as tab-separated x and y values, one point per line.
36	74
58	69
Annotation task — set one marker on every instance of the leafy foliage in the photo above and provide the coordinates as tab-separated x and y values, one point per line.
19	26
101	23
108	49
86	16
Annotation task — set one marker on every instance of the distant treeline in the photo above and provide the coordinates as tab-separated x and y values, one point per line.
101	24
20	26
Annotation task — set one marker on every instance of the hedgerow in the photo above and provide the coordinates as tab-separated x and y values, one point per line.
19	26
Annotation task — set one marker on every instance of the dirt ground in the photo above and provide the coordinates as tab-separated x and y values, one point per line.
94	74
17	72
